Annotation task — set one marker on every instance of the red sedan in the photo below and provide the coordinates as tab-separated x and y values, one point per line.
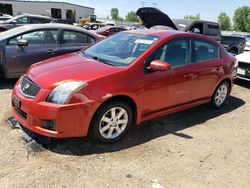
123	80
109	30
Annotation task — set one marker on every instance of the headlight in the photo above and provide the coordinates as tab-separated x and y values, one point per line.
62	93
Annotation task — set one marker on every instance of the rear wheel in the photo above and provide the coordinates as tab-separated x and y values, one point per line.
111	122
220	95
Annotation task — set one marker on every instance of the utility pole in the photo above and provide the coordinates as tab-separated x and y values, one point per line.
143	3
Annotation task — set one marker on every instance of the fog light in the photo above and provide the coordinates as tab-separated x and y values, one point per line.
49	124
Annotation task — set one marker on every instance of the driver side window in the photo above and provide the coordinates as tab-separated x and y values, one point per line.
175	52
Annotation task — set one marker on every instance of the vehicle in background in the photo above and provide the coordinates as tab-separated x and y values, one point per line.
152	17
90	19
93	26
109	30
23	20
4	17
122	81
241	34
23	46
63	21
234	44
247	48
243	71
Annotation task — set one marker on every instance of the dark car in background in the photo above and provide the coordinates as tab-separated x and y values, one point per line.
23	20
109	30
152	17
23	46
234	44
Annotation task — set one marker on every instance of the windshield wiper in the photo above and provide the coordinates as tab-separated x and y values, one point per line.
98	59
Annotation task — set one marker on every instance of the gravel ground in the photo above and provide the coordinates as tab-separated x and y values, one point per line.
200	147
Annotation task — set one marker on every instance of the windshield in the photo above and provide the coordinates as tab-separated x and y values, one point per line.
120	49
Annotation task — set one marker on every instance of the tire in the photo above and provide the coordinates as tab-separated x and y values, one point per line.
220	95
234	51
111	122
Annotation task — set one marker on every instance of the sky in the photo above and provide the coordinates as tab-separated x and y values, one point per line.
208	9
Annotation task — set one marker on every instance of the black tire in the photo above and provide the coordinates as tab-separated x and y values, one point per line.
214	100
234	51
104	110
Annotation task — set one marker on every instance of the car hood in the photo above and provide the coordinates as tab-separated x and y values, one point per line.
244	57
153	16
50	73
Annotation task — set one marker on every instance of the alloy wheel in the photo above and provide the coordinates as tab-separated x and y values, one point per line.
221	94
113	123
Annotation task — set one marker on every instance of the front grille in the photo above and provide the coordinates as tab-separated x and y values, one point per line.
21	113
29	88
243	65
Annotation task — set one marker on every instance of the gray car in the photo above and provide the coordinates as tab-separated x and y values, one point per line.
23	46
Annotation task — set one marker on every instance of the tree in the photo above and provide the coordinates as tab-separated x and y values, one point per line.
132	17
242	19
192	17
114	13
224	21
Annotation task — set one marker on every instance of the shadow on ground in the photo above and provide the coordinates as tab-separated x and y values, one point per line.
242	83
149	130
7	83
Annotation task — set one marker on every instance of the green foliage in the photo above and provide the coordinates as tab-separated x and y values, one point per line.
224	21
242	19
132	17
119	19
114	13
192	17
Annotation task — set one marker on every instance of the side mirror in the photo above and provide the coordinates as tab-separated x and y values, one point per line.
13	22
158	65
196	30
22	43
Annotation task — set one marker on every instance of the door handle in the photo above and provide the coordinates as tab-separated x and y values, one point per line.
51	51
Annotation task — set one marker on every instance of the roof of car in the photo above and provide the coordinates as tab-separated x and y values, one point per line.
169	33
157	32
25	28
34	15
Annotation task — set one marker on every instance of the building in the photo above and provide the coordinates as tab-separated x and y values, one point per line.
59	10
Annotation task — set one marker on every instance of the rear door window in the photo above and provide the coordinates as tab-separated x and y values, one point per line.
39	20
204	51
73	37
23	20
213	30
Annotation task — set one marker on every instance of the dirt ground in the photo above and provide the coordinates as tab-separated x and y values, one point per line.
200	147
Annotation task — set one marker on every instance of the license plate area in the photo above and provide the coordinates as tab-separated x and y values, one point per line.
241	71
16	102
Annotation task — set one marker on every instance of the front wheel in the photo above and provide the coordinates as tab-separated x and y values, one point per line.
111	122
220	95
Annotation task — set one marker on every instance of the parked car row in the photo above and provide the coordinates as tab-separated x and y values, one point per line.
125	79
114	83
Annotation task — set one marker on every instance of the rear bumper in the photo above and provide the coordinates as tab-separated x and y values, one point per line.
71	120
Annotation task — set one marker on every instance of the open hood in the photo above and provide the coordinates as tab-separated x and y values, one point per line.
152	16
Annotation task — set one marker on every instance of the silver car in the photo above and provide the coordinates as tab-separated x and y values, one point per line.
23	46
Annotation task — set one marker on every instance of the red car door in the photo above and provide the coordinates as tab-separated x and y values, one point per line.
171	88
207	68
